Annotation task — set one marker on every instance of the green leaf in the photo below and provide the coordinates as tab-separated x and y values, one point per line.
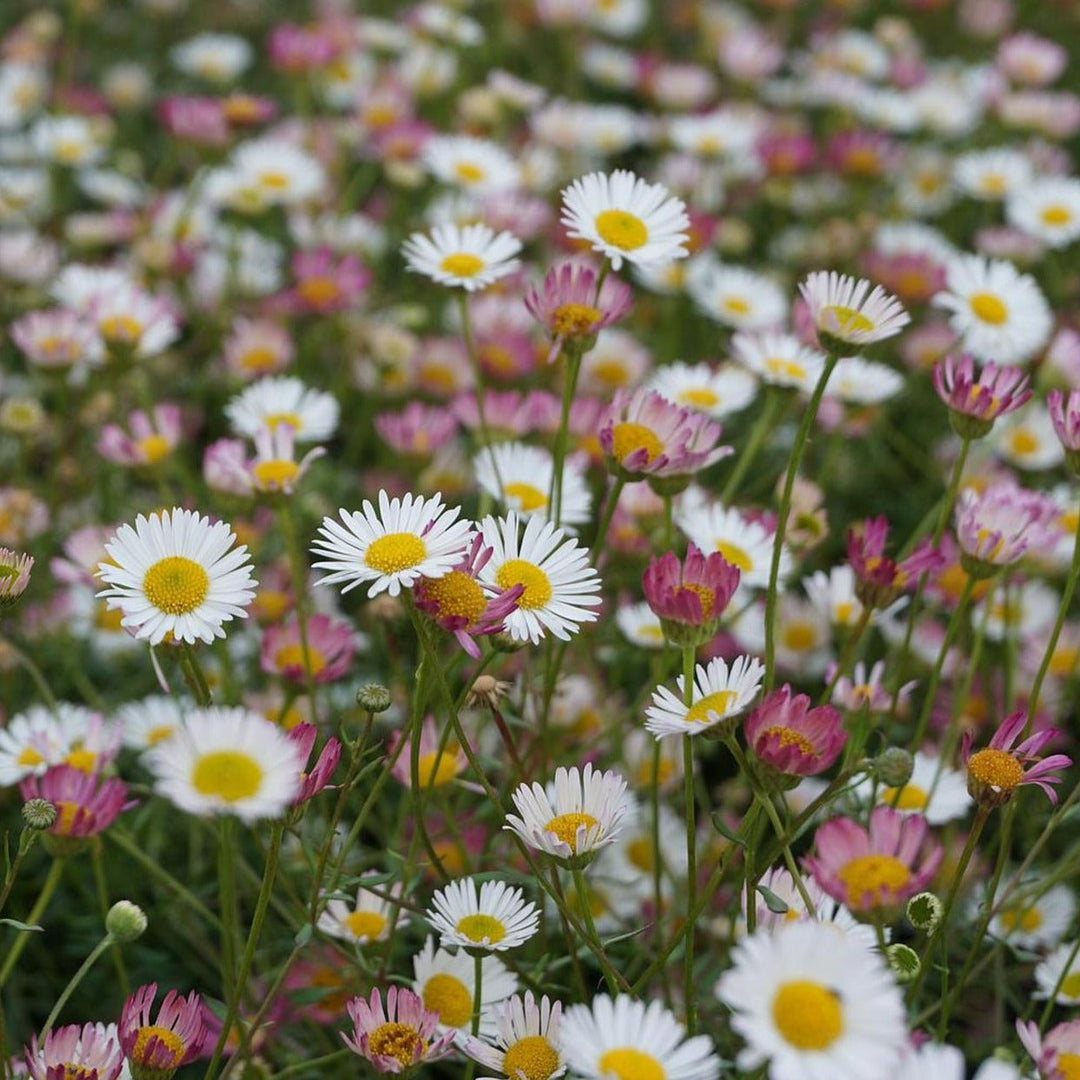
726	832
772	901
22	926
304	936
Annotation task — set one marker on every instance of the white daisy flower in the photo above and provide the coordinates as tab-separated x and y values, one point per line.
992	175
368	919
561	587
932	1061
153	720
475	165
520	476
35	740
631	1040
494	919
581	813
228	761
1061	966
526	1043
813	1001
273	172
1033	919
1001	314
847	313
1048	209
177	574
270	402
217	58
803	636
624	217
936	791
640	625
446	983
833	594
1026	439
719	693
780	359
745	543
629	861
406	539
718	392
617	360
856	381
735	296
471	257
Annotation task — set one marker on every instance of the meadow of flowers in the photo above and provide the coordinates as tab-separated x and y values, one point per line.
539	538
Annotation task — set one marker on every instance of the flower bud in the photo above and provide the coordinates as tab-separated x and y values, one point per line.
373	698
125	921
39	814
893	766
904	962
924	911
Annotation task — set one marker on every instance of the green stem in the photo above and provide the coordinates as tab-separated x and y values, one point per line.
298	570
572	355
230	913
690	811
478	382
765	423
77	978
773	594
951	491
193	672
593	938
32	670
27	839
609	513
478	995
42	902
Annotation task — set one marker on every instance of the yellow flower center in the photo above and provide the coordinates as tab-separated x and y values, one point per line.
779	365
710	706
394	552
481	928
1056	214
532	1057
66	813
1024	441
993	184
800	636
176	585
69	151
529	498
290	418
318	291
121	328
736	305
292	655
82	759
627	438
154	448
462	264
29	757
868	874
1068	1065
258	359
610	372
909	797
988	308
848	320
699	397
276	181
1025	919
704	594
469	173
364	924
450	998
399	1041
275	474
1070	985
227	774
436	769
735	555
627	1063
565	827
790	737
457	595
165	1038
997	768
538	590
621	229
574	320
159	734
808	1015
640	853
1064	660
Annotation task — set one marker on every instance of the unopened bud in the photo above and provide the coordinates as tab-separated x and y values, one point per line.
373	698
924	911
904	962
39	814
893	766
125	921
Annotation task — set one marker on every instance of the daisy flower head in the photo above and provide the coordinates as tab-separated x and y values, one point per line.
998	526
879	579
177	1035
89	1051
561	589
1000	313
492	919
520	476
368	919
934	790
779	359
278	401
475	165
878	867
734	296
689	597
1047	209
1028	440
823	909
976	400
812	1000
15	570
624	217
527	1042
581	813
790	738
744	542
1058	976
176	574
86	803
399	1037
568	306
720	693
995	772
470	257
715	392
405	539
628	1039
848	315
1064	412
228	761
640	625
1057	1054
1031	917
446	983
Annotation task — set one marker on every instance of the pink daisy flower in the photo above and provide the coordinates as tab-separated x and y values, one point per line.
177	1035
791	738
331	645
880	579
418	430
147	440
318	776
975	401
90	1052
324	283
998	526
1056	1055
85	803
996	771
399	1037
689	596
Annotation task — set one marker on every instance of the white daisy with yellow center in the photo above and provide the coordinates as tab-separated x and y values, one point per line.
526	1044
561	588
1027	440
934	790
717	392
279	401
519	476
1061	969
992	175
625	218
623	1038
1032	917
745	543
446	983
812	1000
736	297
470	257
475	165
368	919
492	919
779	359
405	539
848	313
228	761
1048	209
177	574
33	741
640	625
155	719
719	693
